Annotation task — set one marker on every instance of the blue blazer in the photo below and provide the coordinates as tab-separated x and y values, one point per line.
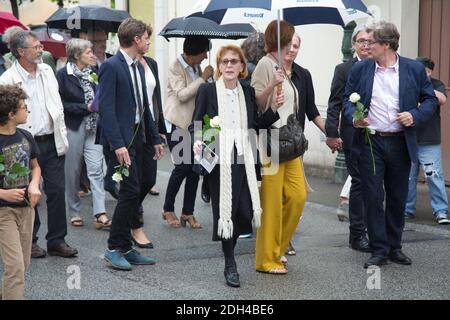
72	97
415	88
118	105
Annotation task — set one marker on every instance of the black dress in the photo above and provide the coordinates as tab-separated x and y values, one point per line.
242	211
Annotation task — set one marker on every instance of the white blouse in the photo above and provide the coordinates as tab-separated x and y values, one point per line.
150	85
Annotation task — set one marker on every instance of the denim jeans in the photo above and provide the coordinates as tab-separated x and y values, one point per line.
430	159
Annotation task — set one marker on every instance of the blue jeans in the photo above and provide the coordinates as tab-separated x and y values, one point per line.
430	159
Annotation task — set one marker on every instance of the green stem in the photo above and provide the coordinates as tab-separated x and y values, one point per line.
371	151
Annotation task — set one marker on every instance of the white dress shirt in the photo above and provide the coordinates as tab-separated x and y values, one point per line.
138	76
150	85
384	107
233	125
40	118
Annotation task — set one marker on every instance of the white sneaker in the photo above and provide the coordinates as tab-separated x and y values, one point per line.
442	220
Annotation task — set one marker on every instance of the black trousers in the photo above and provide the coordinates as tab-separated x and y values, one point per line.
52	170
133	190
357	216
179	173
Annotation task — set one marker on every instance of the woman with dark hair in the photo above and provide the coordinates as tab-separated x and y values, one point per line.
233	184
184	79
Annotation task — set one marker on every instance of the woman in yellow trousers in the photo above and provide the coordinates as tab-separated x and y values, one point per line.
283	192
283	196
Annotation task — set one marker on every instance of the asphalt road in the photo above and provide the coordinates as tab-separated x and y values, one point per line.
190	266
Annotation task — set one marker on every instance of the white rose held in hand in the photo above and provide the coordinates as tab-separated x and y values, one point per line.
215	122
117	177
354	97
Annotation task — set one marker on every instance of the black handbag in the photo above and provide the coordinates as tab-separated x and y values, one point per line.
292	142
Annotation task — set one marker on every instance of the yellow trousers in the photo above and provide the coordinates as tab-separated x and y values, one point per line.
283	196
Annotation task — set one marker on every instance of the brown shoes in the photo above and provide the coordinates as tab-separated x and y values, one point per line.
171	219
62	250
191	220
37	252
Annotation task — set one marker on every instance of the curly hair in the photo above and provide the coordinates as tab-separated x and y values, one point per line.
253	47
10	97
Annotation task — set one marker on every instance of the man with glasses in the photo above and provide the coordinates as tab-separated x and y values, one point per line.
46	123
399	97
342	138
98	38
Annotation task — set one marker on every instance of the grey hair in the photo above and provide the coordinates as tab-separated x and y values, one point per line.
358	29
75	47
296	35
10	32
19	40
253	47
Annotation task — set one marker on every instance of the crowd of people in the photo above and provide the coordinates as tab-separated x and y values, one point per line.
106	111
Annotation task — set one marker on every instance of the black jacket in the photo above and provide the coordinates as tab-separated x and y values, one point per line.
341	73
303	82
72	96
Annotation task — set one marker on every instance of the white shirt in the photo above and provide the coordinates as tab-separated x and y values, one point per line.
138	76
39	115
150	85
385	104
233	125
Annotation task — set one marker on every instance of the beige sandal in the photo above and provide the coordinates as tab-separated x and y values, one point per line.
77	222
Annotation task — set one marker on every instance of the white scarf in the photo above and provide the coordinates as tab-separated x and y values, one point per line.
226	143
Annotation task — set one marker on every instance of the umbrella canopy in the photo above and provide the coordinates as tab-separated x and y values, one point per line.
8	20
194	26
54	42
300	15
87	18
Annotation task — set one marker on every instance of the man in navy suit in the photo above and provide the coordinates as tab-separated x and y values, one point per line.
399	97
130	133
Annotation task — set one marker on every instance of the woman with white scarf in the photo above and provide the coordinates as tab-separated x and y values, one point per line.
233	183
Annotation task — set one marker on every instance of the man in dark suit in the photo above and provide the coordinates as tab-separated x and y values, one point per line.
127	128
399	96
336	139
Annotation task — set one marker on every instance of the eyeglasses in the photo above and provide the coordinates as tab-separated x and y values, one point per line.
233	62
36	47
366	42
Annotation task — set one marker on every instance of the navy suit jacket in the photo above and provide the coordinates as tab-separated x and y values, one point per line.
414	88
118	104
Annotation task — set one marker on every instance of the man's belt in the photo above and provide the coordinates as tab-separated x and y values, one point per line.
390	134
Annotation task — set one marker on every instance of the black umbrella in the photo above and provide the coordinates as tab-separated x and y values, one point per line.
195	26
87	18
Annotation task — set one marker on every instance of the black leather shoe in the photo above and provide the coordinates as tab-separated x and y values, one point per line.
148	245
232	276
360	244
37	252
399	257
62	250
375	261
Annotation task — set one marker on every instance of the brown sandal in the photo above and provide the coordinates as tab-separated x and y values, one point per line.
77	222
171	219
99	224
191	220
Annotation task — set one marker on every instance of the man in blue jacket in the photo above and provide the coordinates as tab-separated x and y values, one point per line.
130	133
399	96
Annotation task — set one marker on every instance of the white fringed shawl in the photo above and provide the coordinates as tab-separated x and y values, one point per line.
226	145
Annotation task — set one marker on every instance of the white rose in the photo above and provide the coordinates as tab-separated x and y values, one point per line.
354	98
215	122
117	177
372	131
